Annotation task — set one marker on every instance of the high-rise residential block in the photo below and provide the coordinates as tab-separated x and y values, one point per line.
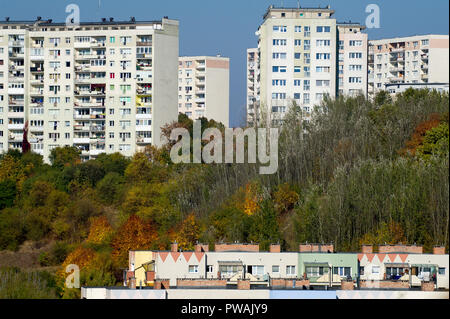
352	59
203	87
299	60
415	59
100	86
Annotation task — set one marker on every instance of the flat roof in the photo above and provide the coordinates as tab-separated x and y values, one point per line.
50	23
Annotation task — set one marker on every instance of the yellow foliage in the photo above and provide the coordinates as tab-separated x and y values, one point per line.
252	199
100	230
188	233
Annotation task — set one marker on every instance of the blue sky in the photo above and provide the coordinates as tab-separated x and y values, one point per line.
209	27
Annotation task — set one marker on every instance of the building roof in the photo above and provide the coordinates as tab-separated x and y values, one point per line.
298	9
104	22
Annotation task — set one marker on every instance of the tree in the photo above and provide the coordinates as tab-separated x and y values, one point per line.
134	234
110	189
64	156
188	233
7	193
100	230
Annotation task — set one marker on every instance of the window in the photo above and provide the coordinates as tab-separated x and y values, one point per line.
355	67
323	29
375	269
323	43
441	271
323	56
290	270
277	55
297	55
275	269
297	82
279	28
210	269
193	269
361	270
279	82
353	79
297	69
256	270
278	69
297	42
324	83
342	271
112	39
355	43
279	41
355	55
298	28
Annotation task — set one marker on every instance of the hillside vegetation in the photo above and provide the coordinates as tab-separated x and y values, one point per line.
361	172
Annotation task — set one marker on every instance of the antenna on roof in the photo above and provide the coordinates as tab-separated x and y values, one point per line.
7	19
111	19
103	19
38	18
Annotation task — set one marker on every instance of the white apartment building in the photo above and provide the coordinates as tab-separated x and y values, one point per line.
298	59
101	86
252	86
204	87
415	59
352	59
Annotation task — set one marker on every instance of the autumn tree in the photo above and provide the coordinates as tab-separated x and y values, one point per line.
134	234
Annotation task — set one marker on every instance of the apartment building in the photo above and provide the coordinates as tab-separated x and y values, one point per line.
301	51
352	59
101	86
204	87
252	86
415	59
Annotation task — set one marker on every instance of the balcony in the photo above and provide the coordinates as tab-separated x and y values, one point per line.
143	128
81	140
144	43
37	69
143	140
82	128
81	116
143	116
15	126
16	114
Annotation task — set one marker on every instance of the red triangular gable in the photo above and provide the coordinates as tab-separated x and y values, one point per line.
403	257
175	256
370	257
392	257
199	255
360	256
163	255
187	255
381	257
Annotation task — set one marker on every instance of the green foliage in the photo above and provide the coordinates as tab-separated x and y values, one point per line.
17	284
12	232
7	193
64	156
435	142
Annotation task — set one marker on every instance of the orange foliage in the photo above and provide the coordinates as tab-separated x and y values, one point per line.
100	230
134	234
82	257
284	198
419	133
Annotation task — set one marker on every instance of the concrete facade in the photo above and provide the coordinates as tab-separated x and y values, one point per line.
204	88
